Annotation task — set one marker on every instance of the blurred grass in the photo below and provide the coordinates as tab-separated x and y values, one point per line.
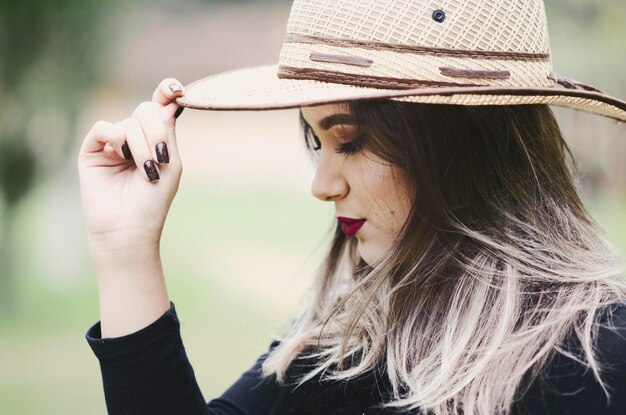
238	258
42	350
226	324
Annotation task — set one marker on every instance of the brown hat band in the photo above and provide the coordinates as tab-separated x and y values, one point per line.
388	66
423	50
286	72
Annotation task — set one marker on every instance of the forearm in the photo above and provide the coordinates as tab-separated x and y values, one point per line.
147	372
132	288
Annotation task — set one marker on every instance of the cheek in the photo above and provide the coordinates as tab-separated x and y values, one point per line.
385	189
395	192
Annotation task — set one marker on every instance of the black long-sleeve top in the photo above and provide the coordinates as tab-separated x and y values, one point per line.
148	373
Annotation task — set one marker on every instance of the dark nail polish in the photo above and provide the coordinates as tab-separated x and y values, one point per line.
179	111
151	171
126	151
163	156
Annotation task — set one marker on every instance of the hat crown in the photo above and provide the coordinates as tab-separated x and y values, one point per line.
485	25
454	52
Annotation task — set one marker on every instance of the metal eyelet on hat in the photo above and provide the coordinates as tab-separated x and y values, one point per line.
352	54
439	16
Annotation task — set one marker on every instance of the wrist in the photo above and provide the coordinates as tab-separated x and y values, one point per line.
125	238
132	292
123	250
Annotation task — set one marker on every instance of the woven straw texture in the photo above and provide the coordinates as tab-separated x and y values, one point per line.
565	101
260	89
489	25
419	67
470	26
483	52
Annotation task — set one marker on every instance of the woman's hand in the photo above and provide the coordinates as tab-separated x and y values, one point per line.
125	200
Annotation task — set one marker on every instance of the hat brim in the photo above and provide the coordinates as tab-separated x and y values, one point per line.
260	88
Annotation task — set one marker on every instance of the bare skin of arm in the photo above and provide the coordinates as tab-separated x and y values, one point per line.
125	204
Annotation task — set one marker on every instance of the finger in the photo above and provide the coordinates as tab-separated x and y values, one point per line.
167	114
172	111
149	116
101	134
139	148
168	90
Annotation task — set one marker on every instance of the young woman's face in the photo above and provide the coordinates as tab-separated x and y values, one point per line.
370	195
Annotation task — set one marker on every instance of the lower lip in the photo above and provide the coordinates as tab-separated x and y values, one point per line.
352	228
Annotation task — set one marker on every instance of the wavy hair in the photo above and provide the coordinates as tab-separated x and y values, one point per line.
496	266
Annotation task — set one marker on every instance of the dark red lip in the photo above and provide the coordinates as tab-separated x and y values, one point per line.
350	226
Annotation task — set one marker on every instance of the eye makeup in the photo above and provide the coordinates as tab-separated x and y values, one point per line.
348	136
348	148
350	139
346	132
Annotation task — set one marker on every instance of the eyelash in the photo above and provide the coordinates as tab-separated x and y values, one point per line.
349	148
352	147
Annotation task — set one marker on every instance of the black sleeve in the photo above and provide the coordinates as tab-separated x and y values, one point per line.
147	372
573	389
611	349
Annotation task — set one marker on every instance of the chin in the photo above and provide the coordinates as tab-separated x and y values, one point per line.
368	254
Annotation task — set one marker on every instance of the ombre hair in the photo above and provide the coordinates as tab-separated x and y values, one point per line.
497	266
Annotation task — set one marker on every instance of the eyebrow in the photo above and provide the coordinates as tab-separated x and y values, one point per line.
336	119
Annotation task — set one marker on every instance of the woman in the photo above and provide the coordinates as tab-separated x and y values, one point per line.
465	275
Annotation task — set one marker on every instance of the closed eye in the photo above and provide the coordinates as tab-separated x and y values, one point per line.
315	145
349	148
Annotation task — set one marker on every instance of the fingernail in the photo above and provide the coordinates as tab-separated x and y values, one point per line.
175	88
179	111
163	156
126	151
151	171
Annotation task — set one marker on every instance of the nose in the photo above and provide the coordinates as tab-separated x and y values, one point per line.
329	183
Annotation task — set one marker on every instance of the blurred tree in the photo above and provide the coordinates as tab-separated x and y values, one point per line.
581	11
49	51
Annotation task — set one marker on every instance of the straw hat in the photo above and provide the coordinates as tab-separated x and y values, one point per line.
469	52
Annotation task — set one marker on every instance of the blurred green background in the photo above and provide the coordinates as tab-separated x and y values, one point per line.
243	236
